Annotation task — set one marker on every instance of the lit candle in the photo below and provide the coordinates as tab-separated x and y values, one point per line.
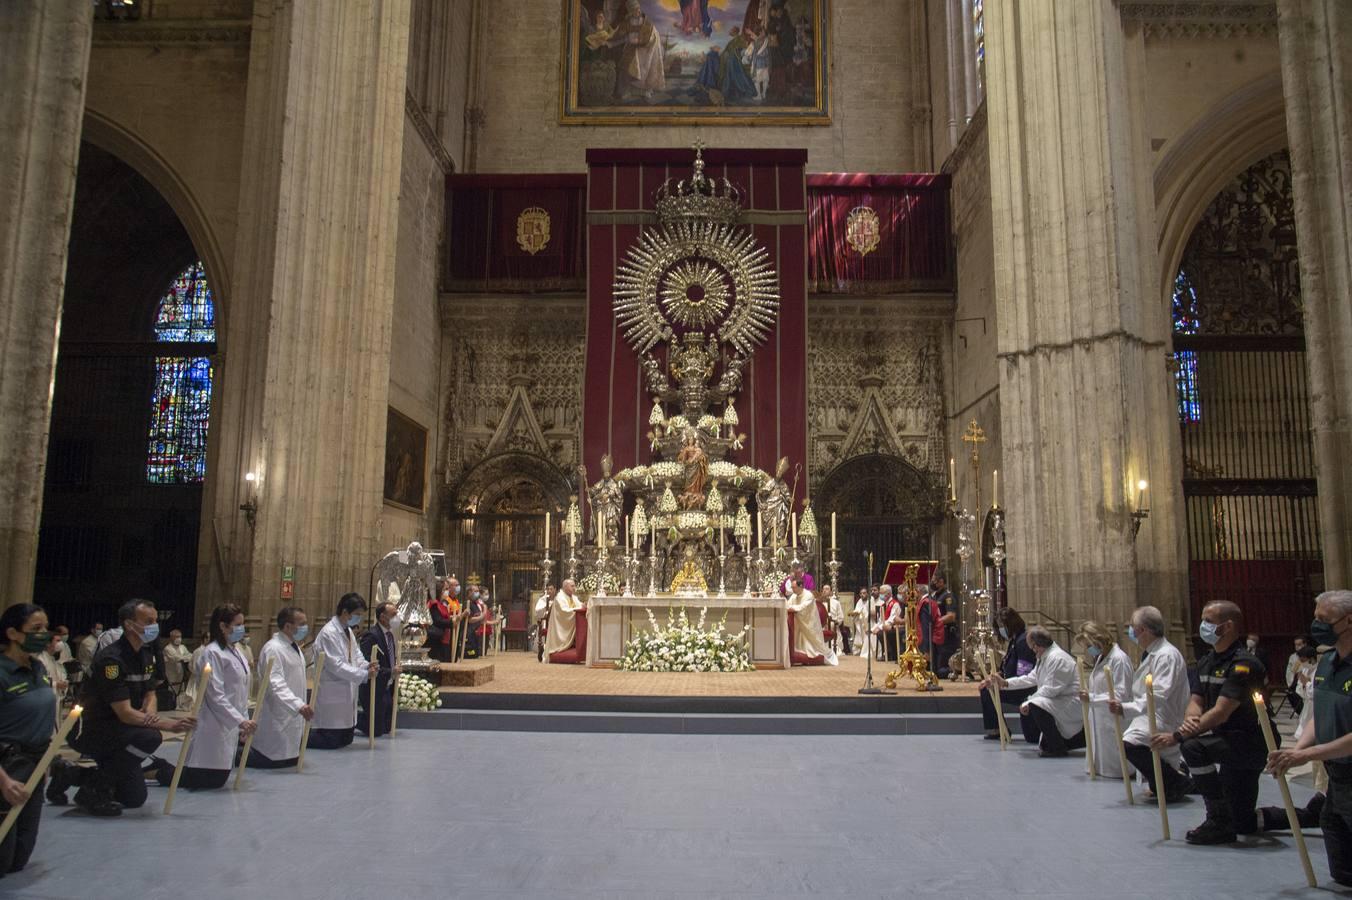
627	542
833	531
952	479
793	529
43	764
995	489
1154	752
1260	706
760	534
1140	493
722	541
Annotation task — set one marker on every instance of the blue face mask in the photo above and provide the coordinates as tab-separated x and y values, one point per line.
1207	631
1092	652
301	632
1131	633
1004	633
236	634
355	620
150	633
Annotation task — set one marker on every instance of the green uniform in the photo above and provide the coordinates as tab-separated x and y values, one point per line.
1332	720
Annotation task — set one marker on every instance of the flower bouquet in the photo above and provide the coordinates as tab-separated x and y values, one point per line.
683	647
416	692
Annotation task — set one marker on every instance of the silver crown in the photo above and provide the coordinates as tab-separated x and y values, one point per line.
699	198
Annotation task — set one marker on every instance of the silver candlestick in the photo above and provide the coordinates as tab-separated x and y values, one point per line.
630	572
722	574
747	553
652	568
601	564
572	557
833	566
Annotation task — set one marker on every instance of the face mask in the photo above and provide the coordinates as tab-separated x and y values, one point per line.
1207	631
236	634
177	641
1092	652
1004	633
396	623
96	632
355	620
1131	633
1250	644
455	591
1323	633
36	642
150	633
301	632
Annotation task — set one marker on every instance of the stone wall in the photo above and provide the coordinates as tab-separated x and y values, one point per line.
879	99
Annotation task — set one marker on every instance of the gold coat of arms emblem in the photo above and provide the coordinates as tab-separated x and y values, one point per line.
862	230
532	229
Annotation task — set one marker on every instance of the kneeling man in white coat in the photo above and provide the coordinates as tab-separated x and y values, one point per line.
285	708
345	671
1051	716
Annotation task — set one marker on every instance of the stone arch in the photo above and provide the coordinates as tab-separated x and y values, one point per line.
494	477
879	484
111	136
1232	135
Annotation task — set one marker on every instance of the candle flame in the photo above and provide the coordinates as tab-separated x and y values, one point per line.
1258	698
1149	680
76	710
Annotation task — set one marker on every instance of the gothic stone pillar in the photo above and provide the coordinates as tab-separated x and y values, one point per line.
1316	48
44	55
307	345
1086	403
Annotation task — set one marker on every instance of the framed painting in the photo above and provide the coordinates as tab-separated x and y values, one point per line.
735	62
405	462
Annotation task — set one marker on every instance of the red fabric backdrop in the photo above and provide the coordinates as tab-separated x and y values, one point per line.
772	407
482	252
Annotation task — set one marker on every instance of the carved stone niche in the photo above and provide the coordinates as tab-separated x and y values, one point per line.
881	486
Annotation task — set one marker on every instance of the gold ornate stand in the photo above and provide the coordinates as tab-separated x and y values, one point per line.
912	663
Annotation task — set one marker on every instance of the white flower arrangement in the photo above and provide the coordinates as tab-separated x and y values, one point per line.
677	424
730	414
668	502
710	424
655	417
588	584
807	524
416	692
714	505
741	526
722	469
683	647
633	473
752	473
691	519
640	523
666	469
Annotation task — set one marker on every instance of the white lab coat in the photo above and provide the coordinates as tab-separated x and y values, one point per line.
1116	665
345	670
807	630
224	707
1172	693
1057	689
279	721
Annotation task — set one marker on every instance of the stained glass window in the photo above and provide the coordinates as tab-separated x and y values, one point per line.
1186	321
180	408
979	35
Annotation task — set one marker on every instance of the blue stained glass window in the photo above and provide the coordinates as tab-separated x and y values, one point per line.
180	406
1186	321
979	34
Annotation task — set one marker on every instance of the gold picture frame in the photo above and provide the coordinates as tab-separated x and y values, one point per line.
405	462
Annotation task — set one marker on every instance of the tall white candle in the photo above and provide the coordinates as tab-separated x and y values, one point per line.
833	531
995	488
760	534
793	528
546	531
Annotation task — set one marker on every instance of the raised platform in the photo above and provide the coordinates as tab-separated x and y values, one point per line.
472	673
526	695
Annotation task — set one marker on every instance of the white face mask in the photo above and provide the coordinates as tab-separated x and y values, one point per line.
396	623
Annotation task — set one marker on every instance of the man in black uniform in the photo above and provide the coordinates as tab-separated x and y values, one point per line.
1328	735
120	727
1222	742
947	606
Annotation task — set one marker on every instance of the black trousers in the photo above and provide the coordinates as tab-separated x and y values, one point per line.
196	779
18	845
1008	698
1336	820
384	705
330	738
118	755
1039	727
889	641
259	761
1139	755
1226	773
844	633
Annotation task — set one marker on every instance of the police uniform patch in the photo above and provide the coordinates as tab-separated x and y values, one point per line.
1241	669
111	671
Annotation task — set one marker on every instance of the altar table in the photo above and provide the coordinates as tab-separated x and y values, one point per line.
612	622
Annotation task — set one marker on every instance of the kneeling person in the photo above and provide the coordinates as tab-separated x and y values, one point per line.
284	708
1050	717
1169	682
344	673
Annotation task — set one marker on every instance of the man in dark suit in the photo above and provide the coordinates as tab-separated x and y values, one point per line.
383	638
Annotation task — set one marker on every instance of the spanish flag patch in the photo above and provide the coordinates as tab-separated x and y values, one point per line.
111	671
1241	669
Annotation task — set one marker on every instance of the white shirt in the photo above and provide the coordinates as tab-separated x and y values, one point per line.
345	670
279	721
541	608
1116	666
834	612
224	707
1172	693
1057	689
176	658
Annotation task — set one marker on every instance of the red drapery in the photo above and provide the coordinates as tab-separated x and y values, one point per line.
772	406
913	253
482	253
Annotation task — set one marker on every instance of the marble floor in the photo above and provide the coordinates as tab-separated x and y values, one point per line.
478	814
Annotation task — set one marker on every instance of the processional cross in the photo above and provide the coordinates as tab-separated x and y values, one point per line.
976	437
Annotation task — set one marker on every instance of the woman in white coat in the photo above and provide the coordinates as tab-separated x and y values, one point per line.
224	715
345	670
285	706
1109	662
807	631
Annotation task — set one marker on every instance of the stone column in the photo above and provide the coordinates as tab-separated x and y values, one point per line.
1085	394
306	354
1316	48
44	55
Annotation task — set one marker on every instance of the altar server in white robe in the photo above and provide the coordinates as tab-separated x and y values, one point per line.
807	629
860	623
224	715
1172	689
285	707
563	618
1051	715
1108	661
345	671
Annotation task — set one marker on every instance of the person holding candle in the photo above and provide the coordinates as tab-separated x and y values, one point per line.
27	720
836	617
1107	662
1328	737
380	644
1019	659
1170	684
224	715
284	706
887	631
1051	715
120	728
445	614
860	623
345	671
1220	738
